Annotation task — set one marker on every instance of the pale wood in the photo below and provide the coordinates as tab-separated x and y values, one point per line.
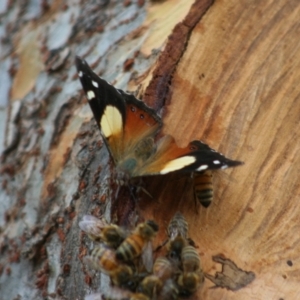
247	105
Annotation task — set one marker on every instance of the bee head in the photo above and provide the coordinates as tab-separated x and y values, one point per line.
148	229
153	225
122	275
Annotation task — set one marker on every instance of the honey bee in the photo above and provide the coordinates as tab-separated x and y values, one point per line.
177	233
113	235
152	285
116	293
99	230
163	268
178	226
138	296
123	277
190	259
190	282
203	187
136	242
104	259
169	291
192	277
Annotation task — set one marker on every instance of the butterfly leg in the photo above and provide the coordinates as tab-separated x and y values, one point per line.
140	188
137	186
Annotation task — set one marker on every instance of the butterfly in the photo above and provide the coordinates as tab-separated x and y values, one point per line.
130	131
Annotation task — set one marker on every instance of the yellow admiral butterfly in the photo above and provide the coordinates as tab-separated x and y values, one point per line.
130	128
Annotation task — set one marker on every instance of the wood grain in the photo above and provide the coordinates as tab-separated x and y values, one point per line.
236	87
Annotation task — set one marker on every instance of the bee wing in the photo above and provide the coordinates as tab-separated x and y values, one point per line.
147	256
169	290
97	296
91	263
92	225
177	226
114	293
163	268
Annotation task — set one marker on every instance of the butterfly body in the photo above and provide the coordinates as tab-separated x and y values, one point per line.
130	130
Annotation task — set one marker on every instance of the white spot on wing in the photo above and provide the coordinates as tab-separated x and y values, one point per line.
80	73
178	164
111	122
216	162
90	95
224	167
95	84
203	167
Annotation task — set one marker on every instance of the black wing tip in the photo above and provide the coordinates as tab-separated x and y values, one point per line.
79	60
203	146
235	163
81	64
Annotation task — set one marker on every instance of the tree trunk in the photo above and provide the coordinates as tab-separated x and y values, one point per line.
223	72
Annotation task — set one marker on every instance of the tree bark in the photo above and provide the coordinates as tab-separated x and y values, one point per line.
223	72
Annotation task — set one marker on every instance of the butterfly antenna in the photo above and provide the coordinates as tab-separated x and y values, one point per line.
117	191
145	191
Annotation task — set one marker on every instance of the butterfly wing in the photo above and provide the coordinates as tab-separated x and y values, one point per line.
129	127
124	121
141	123
197	156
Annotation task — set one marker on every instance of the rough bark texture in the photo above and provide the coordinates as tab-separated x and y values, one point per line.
225	72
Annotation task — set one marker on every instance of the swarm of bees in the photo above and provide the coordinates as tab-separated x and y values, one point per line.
127	258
